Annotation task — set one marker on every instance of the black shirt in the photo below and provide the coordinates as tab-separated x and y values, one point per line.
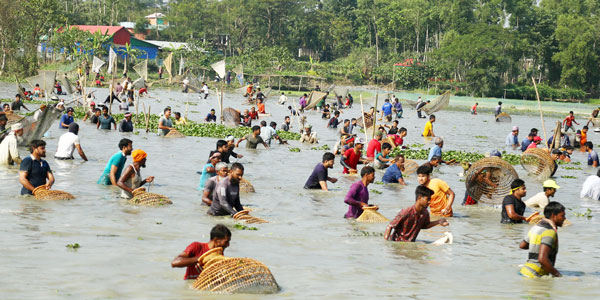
285	127
519	209
333	123
325	114
125	126
94	119
37	170
318	174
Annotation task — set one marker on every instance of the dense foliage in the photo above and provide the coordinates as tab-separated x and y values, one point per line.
476	47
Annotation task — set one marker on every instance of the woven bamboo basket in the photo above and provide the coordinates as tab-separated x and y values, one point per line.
371	215
245	216
501	173
174	134
141	197
41	193
503	117
538	162
410	166
228	275
246	186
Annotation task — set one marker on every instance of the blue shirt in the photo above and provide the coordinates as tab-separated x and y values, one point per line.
392	174
512	139
435	151
398	106
118	160
65	119
387	109
592	156
525	144
211	118
206	175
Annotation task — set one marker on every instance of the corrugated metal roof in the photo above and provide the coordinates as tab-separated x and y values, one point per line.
103	29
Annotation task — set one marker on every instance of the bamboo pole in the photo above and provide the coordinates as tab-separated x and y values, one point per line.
363	117
221	101
375	116
540	108
148	120
137	105
297	115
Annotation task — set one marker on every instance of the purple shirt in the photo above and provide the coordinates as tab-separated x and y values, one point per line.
302	101
358	193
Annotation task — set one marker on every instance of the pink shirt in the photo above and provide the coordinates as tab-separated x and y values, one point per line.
532	145
373	146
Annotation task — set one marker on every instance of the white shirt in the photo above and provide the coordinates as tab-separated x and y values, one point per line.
66	145
267	133
124	105
8	149
186	81
282	99
538	201
205	89
590	188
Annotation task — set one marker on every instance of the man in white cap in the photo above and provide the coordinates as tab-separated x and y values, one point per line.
541	199
513	138
308	136
353	156
9	153
230	146
126	125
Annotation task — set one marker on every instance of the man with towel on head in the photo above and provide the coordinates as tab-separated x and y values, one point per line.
132	177
9	153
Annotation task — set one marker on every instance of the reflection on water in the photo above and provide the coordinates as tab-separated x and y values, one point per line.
308	245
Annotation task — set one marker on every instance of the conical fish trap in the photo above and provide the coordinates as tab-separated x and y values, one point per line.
41	193
174	134
371	215
245	216
231	117
246	186
498	172
503	117
13	118
410	166
538	162
141	197
227	275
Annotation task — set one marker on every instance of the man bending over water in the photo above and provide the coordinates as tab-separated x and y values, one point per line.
220	236
226	195
405	227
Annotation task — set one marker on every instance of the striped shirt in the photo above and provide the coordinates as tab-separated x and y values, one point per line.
542	233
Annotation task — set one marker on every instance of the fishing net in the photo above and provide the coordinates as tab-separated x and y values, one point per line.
410	166
229	275
245	216
20	89
340	91
368	121
66	84
168	63
409	102
45	79
174	134
141	197
142	69
497	171
538	162
313	99
503	117
36	125
246	186
437	104
231	117
556	138
41	193
371	215
138	83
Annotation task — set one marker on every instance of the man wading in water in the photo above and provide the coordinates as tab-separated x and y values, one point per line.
34	170
112	171
219	238
226	195
132	178
319	177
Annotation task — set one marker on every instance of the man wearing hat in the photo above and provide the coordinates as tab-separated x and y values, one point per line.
352	157
68	142
132	178
513	138
126	124
9	153
308	136
541	199
90	112
66	119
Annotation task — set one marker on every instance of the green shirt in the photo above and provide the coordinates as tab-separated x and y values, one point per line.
118	160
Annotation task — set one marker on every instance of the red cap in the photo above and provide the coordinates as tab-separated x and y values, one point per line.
537	139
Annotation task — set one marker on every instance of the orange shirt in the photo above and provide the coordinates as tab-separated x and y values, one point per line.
261	108
249	90
583	138
439	200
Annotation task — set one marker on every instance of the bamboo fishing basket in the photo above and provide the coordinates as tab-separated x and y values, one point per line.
246	186
501	173
371	215
141	197
538	162
229	275
410	166
503	117
245	216
41	193
174	134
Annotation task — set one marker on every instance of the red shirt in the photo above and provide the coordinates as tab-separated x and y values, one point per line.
351	159
569	119
195	249
143	90
253	115
407	224
374	145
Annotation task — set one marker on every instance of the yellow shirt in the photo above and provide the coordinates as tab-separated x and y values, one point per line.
428	131
439	200
181	121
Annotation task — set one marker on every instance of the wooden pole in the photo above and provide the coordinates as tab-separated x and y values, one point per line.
137	105
363	117
148	120
375	116
297	115
221	102
300	84
540	108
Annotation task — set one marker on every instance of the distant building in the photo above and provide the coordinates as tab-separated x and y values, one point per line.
120	37
157	20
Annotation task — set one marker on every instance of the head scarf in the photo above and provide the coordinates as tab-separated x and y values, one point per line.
138	155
